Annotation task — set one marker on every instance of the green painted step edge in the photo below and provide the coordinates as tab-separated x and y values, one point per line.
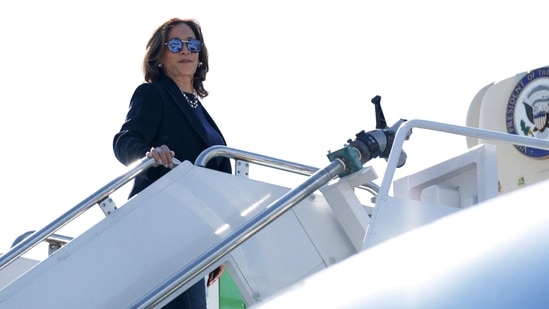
229	294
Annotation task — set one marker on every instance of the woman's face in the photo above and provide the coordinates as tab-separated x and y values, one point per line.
182	63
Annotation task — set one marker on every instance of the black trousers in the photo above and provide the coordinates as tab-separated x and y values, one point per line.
193	298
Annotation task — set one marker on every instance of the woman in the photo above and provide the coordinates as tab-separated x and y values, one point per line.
166	118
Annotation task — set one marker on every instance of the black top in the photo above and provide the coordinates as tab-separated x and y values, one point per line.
158	115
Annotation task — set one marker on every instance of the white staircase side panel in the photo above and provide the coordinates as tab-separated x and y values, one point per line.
16	269
169	224
301	242
346	206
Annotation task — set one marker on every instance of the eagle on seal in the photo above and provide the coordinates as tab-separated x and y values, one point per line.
538	113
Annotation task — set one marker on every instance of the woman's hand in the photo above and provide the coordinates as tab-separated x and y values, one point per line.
216	274
162	155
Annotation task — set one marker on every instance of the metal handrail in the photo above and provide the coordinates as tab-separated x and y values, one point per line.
283	165
403	134
224	151
212	256
41	235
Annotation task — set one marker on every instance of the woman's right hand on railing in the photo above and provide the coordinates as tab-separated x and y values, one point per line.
162	155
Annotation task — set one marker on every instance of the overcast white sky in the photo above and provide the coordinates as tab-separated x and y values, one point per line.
288	79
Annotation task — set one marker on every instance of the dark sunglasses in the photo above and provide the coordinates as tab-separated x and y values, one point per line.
176	45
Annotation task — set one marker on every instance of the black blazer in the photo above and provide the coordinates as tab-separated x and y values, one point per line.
159	115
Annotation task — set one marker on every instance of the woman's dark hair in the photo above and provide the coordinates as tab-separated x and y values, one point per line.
155	46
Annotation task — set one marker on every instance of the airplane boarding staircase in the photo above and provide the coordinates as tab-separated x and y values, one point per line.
181	227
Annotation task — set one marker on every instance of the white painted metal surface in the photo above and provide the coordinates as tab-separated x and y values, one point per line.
16	269
473	175
493	255
170	223
469	177
346	206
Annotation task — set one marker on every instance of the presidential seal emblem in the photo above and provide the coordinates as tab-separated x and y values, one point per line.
527	111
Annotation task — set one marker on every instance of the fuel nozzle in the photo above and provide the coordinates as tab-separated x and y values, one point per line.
371	144
378	142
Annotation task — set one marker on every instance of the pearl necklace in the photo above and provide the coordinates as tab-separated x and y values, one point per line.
193	103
